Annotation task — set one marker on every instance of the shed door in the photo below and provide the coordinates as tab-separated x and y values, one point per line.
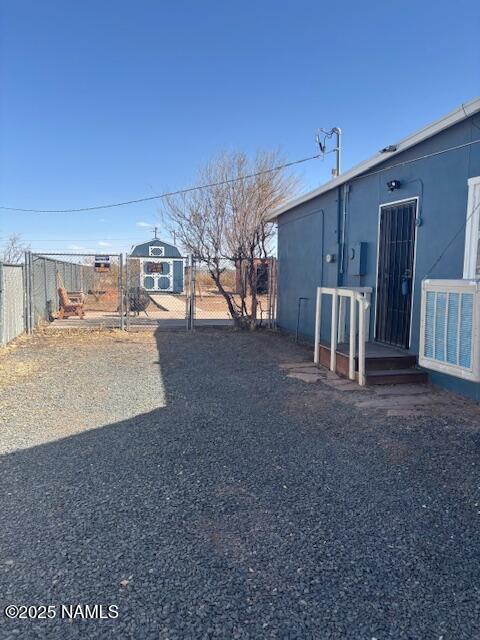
395	273
178	276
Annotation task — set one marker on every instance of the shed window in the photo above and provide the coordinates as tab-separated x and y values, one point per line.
471	264
156	251
157	267
148	282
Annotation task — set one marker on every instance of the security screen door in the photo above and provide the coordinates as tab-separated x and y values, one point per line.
395	273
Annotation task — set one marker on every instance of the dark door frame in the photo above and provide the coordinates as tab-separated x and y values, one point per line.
384	205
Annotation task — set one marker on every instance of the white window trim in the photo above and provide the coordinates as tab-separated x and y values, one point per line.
472	229
157	276
156	255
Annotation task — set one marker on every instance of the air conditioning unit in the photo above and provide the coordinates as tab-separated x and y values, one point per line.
450	327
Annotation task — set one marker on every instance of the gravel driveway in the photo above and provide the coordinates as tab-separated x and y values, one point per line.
189	481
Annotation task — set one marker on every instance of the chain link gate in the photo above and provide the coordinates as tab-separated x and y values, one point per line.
74	289
158	291
179	292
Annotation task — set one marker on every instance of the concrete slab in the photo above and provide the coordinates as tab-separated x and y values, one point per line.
331	375
402	390
305	377
397	403
294	365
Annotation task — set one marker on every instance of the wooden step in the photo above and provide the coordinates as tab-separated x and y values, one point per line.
383	365
389	362
396	376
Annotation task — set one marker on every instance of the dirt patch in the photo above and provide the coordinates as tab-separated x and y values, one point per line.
25	356
12	372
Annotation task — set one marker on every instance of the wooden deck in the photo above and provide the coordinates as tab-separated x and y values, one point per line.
376	350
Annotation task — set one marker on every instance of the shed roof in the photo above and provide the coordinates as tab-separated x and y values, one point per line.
141	250
464	111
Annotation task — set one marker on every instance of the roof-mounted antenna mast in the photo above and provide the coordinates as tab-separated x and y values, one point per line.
321	140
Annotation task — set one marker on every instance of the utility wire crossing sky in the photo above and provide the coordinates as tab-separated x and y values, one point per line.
238	179
97	105
170	193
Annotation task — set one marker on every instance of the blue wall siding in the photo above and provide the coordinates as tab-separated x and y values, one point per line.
302	239
440	183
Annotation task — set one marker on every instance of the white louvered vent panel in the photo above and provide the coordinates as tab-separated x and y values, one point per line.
449	334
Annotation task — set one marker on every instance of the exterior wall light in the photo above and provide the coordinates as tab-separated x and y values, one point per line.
393	184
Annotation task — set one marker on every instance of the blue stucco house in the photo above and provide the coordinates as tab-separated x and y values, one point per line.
161	266
398	224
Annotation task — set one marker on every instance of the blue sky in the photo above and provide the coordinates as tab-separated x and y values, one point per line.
108	100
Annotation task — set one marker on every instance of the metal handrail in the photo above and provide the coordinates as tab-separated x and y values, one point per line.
359	298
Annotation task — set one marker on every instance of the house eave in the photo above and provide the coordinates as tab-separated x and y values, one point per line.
464	111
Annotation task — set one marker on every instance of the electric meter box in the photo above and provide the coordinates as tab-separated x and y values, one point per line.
358	259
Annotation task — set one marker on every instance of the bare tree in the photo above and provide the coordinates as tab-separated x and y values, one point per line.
225	224
14	250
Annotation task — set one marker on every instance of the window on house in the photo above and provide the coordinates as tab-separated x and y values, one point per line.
471	264
156	251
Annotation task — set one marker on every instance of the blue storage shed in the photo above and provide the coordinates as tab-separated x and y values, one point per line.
161	266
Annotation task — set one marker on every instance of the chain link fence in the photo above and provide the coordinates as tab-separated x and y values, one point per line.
90	290
12	302
74	289
210	305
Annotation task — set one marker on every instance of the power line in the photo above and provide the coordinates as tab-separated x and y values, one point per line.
405	162
165	195
452	240
74	239
232	180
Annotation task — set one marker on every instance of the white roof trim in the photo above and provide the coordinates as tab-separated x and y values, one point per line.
462	112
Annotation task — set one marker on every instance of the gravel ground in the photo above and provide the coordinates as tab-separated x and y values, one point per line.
189	481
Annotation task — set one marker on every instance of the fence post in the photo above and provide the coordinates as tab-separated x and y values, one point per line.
368	298
361	342
127	296
28	292
45	284
192	299
25	292
269	294
341	319
352	340
333	333
2	306
318	319
32	294
120	285
188	287
274	292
